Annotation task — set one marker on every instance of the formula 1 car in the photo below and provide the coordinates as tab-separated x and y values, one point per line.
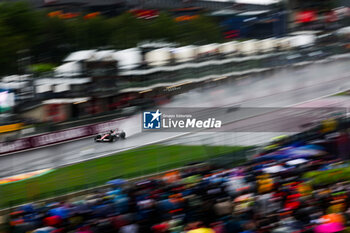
111	136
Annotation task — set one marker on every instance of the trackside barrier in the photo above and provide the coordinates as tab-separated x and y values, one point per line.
56	137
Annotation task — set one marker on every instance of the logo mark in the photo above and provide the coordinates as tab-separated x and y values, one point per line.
151	120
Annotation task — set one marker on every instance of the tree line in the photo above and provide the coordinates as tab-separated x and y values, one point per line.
29	36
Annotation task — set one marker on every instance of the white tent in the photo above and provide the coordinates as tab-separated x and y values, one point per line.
16	78
248	47
61	87
284	43
158	57
57	81
208	48
43	88
267	45
128	58
102	55
185	53
80	55
303	40
228	47
13	85
252	13
68	69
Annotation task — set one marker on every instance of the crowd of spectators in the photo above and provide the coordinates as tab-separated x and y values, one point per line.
268	194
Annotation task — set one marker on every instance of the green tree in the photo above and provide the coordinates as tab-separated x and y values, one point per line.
127	31
201	30
162	27
90	33
53	40
10	44
48	40
20	19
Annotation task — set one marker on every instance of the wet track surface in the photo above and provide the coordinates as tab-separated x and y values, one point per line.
282	89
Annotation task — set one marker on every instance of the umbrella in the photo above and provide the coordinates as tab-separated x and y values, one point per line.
144	182
114	192
292	152
192	179
44	230
54	204
274	169
270	157
27	208
244	197
102	210
315	147
296	162
279	138
60	211
303	151
82	209
236	172
117	182
329	228
343	31
331	218
201	230
236	183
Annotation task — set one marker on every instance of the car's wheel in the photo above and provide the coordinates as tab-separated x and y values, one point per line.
112	139
122	135
97	138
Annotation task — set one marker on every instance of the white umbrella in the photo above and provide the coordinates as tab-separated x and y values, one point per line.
296	162
274	169
343	31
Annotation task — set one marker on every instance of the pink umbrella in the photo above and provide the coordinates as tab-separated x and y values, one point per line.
329	228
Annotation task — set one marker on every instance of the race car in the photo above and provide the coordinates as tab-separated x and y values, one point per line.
111	136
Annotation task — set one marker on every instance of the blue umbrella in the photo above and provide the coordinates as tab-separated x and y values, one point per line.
117	182
27	208
292	153
314	147
60	211
303	152
267	157
114	192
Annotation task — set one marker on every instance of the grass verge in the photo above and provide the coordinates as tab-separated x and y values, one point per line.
343	93
128	164
319	178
